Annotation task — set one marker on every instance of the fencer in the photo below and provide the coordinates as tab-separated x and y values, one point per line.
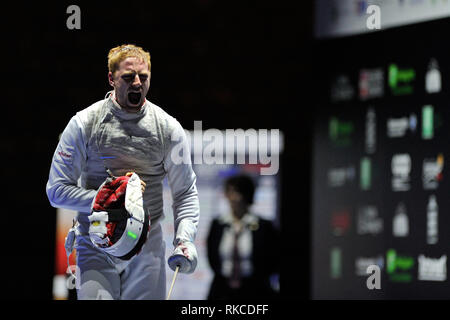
126	133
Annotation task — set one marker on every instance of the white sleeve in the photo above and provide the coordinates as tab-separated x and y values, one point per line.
68	160
182	179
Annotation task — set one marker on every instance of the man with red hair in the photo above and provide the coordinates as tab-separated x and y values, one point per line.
121	134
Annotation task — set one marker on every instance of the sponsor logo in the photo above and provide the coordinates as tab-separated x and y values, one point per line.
341	89
365	167
64	155
340	222
338	177
427	122
432	122
433	77
335	263
432	220
401	80
368	221
371	83
371	131
340	132
401	169
362	263
399	127
399	267
432	172
431	269
400	222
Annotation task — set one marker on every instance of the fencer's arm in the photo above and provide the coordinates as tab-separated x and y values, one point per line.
182	179
69	157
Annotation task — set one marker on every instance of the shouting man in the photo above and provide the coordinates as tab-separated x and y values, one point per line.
123	135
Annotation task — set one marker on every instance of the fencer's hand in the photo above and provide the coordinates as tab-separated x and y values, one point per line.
185	256
143	184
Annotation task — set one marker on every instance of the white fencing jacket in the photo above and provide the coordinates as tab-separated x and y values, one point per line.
105	136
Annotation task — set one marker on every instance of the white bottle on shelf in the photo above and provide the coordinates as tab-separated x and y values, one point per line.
432	220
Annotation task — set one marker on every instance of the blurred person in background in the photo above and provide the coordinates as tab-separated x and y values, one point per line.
242	247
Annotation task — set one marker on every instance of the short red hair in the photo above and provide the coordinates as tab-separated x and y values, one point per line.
118	54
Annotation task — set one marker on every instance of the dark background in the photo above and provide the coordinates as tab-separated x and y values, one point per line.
241	65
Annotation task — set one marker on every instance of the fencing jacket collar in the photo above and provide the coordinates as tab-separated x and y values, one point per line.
122	114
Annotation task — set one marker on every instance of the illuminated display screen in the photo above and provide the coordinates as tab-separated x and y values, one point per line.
380	165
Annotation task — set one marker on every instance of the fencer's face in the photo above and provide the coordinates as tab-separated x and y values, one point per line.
131	83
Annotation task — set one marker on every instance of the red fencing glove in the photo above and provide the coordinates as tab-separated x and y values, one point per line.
110	196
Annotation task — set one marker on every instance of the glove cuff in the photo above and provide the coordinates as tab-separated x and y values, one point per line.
185	256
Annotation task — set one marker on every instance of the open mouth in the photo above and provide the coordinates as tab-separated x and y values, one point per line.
134	97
